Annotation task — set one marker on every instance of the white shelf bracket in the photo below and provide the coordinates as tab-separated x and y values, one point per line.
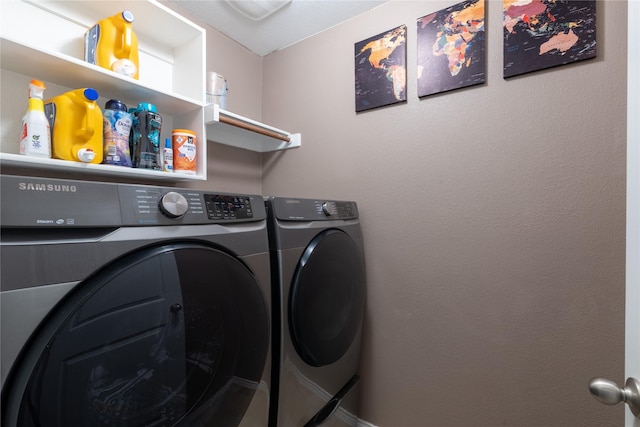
225	127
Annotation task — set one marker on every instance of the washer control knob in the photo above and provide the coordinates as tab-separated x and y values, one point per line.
329	208
173	204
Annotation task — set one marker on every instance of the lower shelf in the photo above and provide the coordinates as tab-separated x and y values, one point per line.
17	160
225	127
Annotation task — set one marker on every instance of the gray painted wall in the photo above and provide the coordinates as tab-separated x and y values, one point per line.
493	217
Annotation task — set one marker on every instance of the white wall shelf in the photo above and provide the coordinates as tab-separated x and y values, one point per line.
57	165
172	76
71	72
172	73
225	127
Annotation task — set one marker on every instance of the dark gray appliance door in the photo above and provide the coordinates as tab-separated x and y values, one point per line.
327	298
171	335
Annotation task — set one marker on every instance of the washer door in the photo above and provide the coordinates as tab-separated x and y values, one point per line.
171	335
326	303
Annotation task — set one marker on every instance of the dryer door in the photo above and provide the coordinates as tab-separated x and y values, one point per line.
170	335
326	302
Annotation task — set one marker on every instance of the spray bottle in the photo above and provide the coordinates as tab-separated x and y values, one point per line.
35	139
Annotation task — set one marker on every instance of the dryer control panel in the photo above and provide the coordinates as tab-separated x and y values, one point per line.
292	209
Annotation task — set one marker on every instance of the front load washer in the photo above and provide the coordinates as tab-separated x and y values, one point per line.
319	292
130	305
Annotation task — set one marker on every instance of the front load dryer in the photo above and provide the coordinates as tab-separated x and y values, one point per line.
130	305
319	292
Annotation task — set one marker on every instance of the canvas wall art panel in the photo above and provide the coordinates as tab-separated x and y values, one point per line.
381	69
541	34
451	48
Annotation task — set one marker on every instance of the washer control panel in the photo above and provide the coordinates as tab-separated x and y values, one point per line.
59	203
228	207
155	205
162	206
173	204
329	208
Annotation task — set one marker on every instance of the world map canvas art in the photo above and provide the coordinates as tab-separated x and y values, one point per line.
381	70
451	48
540	34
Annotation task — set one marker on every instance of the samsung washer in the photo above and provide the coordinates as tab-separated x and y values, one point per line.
128	305
319	292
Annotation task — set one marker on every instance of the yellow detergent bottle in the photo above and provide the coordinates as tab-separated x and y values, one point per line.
76	126
113	44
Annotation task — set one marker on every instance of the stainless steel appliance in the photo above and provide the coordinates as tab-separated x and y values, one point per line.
130	305
319	292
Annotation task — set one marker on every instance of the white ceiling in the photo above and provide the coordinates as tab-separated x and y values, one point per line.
296	21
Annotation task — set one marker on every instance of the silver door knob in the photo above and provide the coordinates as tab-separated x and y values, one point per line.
610	393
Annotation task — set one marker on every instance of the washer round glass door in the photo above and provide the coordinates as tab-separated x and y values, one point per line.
327	297
171	335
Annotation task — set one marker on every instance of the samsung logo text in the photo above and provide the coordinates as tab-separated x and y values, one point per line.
55	188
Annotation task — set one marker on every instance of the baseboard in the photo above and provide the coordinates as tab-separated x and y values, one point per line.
363	423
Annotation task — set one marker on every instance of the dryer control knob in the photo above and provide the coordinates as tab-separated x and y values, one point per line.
329	208
173	204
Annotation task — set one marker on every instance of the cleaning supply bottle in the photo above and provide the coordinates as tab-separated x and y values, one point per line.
167	156
144	142
184	151
35	139
77	126
117	127
113	44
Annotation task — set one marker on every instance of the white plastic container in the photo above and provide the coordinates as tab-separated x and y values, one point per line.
217	89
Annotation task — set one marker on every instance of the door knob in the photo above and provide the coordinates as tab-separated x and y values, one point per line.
610	393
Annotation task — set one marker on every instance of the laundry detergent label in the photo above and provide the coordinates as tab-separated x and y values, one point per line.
117	126
184	153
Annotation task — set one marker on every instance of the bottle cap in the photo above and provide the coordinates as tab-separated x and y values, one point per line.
38	83
145	106
115	104
127	15
91	94
86	155
36	89
125	67
167	143
188	131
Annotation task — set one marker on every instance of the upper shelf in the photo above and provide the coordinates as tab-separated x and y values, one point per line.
225	127
172	50
72	72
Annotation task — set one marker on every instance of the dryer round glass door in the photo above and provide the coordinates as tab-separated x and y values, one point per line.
171	335
327	297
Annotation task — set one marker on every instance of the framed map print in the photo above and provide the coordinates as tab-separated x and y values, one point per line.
451	48
540	34
381	70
